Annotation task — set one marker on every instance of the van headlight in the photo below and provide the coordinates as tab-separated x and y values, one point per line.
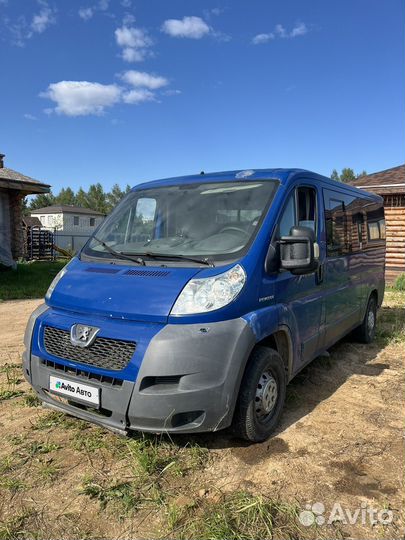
208	294
56	280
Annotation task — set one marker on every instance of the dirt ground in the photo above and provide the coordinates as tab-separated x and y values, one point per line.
340	441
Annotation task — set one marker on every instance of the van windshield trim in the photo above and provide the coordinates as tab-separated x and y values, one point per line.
205	221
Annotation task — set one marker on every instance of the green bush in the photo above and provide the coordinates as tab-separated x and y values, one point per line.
399	284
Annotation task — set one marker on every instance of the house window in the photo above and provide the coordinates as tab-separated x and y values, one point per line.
92	221
42	218
75	220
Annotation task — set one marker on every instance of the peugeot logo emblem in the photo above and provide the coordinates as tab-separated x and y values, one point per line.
82	335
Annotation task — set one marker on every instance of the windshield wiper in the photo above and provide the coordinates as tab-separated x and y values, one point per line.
119	254
205	261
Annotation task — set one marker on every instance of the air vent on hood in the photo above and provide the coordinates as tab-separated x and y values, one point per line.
147	273
102	270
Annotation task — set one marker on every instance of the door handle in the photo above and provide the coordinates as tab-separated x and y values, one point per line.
320	273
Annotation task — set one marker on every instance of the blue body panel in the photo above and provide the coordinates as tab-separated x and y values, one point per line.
136	306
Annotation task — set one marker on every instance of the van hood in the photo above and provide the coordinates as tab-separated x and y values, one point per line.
139	293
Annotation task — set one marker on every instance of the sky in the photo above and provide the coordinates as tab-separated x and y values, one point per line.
133	90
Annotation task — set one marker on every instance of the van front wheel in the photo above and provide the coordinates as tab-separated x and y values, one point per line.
366	331
261	396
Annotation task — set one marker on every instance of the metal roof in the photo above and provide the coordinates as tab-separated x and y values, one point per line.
389	181
66	209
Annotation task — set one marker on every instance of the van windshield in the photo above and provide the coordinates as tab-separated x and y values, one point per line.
215	220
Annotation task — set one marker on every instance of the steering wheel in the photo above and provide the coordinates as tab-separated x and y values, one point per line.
236	229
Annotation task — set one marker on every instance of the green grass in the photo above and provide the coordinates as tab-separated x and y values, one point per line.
31	400
59	420
234	517
89	440
29	280
399	284
9	394
16	527
152	464
124	494
12	372
12	484
391	318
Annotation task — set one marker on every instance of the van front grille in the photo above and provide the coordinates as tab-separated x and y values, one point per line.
104	353
82	374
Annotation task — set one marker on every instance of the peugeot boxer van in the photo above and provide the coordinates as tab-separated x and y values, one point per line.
199	298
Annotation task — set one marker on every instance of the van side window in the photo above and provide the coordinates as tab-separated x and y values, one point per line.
307	207
288	217
144	220
357	231
300	210
336	228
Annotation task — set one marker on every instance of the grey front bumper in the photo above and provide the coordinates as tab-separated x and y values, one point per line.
188	381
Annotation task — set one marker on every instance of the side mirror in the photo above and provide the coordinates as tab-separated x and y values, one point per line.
297	251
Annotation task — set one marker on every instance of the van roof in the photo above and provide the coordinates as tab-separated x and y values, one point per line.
284	176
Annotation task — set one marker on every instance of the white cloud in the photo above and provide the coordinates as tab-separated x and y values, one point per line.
280	31
144	80
42	20
133	97
134	42
217	11
128	19
299	30
29	116
23	29
86	13
83	98
127	36
262	38
126	3
80	98
133	55
188	27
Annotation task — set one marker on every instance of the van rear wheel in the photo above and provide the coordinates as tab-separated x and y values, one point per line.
365	333
261	396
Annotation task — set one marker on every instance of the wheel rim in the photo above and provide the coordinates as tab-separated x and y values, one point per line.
266	395
370	321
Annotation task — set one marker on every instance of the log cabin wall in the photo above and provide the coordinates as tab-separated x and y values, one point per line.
390	184
394	207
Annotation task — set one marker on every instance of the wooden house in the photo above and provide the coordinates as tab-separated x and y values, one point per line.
390	184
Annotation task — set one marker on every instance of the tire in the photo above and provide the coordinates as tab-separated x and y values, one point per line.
365	333
261	396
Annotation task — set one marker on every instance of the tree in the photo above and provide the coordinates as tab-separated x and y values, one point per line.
42	200
81	198
24	206
96	198
335	175
347	175
115	196
66	196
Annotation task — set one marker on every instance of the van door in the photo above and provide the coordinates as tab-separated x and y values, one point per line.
302	295
342	266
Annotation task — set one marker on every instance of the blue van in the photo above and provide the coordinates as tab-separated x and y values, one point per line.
199	298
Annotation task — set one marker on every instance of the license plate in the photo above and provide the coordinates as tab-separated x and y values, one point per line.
74	390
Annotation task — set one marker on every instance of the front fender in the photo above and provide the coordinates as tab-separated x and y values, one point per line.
267	321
